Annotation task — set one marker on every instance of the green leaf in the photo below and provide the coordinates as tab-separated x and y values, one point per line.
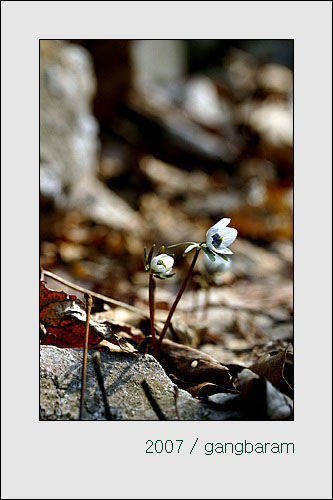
224	257
189	248
150	255
147	266
183	243
163	277
209	254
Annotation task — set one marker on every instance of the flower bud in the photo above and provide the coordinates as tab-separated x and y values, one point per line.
161	265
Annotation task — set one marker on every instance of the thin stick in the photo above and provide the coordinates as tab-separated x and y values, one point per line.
176	401
152	311
177	299
97	295
99	375
152	401
284	363
85	353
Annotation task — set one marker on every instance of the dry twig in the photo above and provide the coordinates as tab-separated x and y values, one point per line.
176	401
96	295
153	401
85	353
99	375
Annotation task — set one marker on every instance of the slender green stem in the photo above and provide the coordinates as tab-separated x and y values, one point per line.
152	311
183	243
177	299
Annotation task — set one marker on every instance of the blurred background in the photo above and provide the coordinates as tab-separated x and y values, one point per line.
153	141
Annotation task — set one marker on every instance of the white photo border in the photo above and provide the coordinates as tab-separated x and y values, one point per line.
108	459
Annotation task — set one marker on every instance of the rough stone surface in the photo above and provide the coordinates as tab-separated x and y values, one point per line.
68	130
69	142
60	388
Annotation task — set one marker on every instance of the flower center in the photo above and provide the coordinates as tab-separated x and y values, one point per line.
161	263
217	240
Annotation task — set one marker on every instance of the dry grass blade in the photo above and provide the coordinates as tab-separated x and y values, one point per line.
85	354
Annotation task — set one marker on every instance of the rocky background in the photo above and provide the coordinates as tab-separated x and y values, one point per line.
146	142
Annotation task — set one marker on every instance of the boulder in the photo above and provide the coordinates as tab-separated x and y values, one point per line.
68	130
69	140
60	387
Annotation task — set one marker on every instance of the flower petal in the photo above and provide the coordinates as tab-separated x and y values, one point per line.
218	228
157	268
221	224
209	242
162	263
217	266
229	235
223	250
168	261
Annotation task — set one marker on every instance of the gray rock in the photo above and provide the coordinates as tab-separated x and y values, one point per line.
69	142
68	130
60	388
279	406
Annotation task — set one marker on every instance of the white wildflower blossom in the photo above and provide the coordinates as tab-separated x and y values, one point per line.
217	265
162	264
219	237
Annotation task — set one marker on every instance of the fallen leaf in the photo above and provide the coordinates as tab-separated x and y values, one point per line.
107	346
192	366
277	367
63	317
200	390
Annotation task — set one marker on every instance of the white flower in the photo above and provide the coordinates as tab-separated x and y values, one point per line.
216	266
162	264
219	237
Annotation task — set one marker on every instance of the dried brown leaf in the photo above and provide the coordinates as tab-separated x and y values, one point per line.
63	317
277	367
192	366
200	390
